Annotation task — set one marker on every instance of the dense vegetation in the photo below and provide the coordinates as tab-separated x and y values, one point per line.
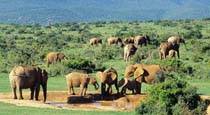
29	44
172	97
39	11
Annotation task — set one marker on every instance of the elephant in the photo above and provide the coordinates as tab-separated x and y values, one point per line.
172	54
129	40
115	40
165	47
108	77
77	79
129	50
23	77
130	85
140	40
95	41
176	40
142	73
53	57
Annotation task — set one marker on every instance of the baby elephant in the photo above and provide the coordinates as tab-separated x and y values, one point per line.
76	79
172	54
130	85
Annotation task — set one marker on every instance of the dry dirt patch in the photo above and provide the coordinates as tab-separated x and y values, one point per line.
58	100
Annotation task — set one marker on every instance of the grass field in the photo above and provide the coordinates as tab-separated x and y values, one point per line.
8	109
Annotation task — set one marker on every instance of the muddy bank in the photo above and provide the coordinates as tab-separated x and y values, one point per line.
59	99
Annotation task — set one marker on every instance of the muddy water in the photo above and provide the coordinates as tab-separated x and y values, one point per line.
58	100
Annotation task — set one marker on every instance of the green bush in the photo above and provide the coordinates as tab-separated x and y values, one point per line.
193	34
108	52
172	97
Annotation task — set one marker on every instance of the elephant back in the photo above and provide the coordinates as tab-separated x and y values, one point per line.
130	69
23	71
75	78
151	72
175	40
109	76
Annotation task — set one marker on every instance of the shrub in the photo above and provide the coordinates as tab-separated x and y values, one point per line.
108	52
173	96
193	34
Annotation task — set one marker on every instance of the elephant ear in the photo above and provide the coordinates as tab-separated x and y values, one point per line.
129	71
139	72
99	74
113	75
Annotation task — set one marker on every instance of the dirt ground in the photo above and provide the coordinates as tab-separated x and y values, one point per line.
59	99
93	101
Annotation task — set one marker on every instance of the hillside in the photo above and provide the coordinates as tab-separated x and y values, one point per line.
39	11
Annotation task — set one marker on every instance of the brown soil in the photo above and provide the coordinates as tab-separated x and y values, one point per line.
59	99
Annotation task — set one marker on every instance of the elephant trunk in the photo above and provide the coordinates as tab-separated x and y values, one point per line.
96	85
44	88
125	83
103	89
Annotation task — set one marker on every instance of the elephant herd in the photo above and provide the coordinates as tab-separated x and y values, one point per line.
169	49
22	77
134	76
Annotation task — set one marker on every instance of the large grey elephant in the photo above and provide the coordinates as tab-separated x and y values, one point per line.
140	40
108	77
76	79
129	50
23	77
142	73
53	57
166	47
172	44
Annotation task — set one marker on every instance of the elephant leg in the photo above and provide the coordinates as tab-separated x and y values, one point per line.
73	93
133	92
109	90
81	90
32	93
103	89
138	88
48	63
164	55
123	91
37	93
124	57
85	90
20	93
14	92
178	53
69	90
160	55
116	88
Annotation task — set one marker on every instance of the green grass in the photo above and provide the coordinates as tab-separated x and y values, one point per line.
203	85
8	109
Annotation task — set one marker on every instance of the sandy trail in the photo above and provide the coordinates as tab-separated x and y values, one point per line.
58	100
